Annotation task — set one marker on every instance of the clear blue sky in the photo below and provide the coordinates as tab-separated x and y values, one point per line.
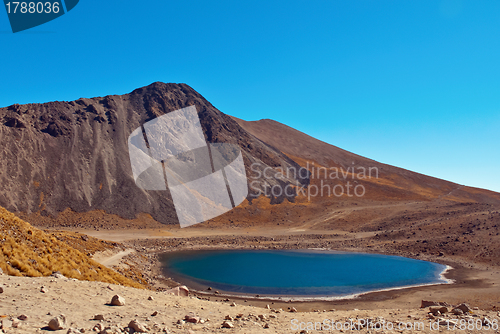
415	84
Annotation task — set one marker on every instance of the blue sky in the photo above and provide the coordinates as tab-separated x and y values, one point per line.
415	84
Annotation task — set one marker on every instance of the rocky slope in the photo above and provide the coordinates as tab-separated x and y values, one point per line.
74	154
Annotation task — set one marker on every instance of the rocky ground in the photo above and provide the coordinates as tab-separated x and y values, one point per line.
40	304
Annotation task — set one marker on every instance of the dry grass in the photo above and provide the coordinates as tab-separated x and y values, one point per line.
28	251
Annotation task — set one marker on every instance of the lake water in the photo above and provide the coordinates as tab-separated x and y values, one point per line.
298	273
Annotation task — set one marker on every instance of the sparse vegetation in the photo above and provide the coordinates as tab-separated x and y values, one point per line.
28	251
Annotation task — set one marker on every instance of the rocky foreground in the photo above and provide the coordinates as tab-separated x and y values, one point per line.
64	305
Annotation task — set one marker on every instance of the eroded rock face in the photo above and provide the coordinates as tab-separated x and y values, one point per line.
74	154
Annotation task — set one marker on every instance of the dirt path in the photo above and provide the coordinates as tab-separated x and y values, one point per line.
109	259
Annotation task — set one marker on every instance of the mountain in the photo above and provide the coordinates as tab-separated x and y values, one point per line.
72	158
74	155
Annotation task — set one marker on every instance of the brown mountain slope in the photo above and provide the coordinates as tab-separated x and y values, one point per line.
61	155
392	180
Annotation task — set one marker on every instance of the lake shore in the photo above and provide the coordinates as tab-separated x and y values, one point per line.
475	283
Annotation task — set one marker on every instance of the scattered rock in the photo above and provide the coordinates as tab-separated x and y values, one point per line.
98	317
16	323
179	291
233	304
228	317
57	323
98	328
1	272
117	300
1	289
43	289
74	331
154	314
293	309
457	311
266	325
150	298
227	324
22	317
447	322
192	319
57	274
435	309
465	308
137	326
427	303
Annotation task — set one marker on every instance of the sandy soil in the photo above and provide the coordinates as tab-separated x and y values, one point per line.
79	301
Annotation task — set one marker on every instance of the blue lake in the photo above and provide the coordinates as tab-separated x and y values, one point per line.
298	273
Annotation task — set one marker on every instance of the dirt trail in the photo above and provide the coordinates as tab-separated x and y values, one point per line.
108	259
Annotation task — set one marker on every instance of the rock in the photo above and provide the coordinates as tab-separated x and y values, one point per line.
117	300
192	319
154	314
228	317
57	323
22	317
262	317
465	308
233	304
447	322
57	274
137	326
43	289
16	323
98	317
427	303
268	307
293	309
1	289
179	291
74	331
227	324
150	298
457	311
266	325
98	328
435	309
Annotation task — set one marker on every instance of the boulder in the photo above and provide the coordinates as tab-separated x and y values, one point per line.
435	309
179	291
465	308
117	300
57	274
192	319
227	324
57	323
137	326
22	317
457	311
